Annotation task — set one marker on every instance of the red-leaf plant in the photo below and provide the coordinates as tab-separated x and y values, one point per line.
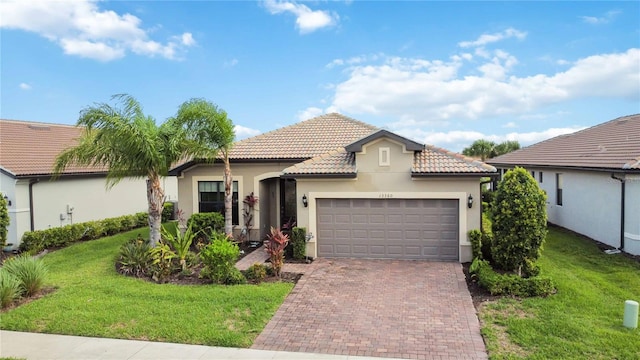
274	246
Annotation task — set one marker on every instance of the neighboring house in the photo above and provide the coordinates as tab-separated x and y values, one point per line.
592	180
27	154
358	190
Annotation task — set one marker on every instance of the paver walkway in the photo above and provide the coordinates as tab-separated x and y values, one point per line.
257	256
385	308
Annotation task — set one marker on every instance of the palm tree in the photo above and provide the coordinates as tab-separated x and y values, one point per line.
506	147
485	149
217	133
128	143
480	148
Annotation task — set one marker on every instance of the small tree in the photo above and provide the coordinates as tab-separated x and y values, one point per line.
4	220
519	221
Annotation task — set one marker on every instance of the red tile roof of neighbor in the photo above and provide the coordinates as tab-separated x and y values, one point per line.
30	148
611	145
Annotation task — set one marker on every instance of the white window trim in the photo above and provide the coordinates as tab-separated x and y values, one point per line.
195	192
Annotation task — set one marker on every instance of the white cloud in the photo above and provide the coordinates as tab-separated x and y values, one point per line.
605	19
243	132
458	140
491	38
81	28
24	86
307	20
230	63
510	125
431	91
309	113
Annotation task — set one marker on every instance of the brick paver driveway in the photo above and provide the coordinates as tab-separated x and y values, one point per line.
386	308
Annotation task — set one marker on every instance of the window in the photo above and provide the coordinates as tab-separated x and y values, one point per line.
533	174
384	157
211	198
559	189
540	176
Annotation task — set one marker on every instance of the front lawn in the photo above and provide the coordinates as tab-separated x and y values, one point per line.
92	299
582	321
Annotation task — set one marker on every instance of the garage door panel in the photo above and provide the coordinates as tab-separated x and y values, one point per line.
388	228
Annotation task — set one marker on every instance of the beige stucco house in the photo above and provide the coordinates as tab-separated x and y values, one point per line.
27	154
359	191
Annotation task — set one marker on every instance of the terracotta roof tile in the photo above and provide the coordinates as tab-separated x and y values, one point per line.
338	161
30	148
303	140
611	145
435	160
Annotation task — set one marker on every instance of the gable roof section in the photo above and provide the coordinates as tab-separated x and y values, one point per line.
613	145
409	145
431	161
29	149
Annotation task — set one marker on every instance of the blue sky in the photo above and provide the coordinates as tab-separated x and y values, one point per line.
443	73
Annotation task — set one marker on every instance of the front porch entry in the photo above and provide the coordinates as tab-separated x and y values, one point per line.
277	203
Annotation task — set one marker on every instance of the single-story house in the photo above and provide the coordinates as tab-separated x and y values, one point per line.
592	180
360	191
27	154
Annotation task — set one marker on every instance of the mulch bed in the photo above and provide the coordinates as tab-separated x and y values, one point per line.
479	294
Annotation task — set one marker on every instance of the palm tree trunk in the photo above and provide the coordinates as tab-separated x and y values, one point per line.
155	196
228	196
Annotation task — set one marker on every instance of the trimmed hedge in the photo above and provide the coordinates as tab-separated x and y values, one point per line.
206	223
510	284
167	212
39	240
299	243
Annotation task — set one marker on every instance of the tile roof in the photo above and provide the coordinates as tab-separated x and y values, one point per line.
435	160
611	145
303	140
30	148
336	162
430	161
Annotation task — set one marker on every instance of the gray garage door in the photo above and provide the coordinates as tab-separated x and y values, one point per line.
388	228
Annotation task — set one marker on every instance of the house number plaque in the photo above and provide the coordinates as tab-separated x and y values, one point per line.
385	195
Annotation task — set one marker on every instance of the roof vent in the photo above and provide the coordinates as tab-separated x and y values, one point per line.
39	127
622	121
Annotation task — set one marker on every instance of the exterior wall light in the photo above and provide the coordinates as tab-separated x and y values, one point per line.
8	201
305	202
470	201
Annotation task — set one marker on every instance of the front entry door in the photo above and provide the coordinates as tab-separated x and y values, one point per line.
288	202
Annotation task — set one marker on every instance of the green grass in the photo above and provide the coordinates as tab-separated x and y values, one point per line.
582	321
92	299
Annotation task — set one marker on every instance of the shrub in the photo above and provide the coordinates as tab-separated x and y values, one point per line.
219	259
167	212
510	284
29	271
205	224
9	288
134	258
162	265
142	219
4	220
519	220
256	272
475	238
274	246
181	243
298	241
235	277
112	226
58	237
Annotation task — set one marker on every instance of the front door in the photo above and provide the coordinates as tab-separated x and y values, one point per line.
288	203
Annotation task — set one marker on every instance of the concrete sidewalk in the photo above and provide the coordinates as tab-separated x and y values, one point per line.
34	346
